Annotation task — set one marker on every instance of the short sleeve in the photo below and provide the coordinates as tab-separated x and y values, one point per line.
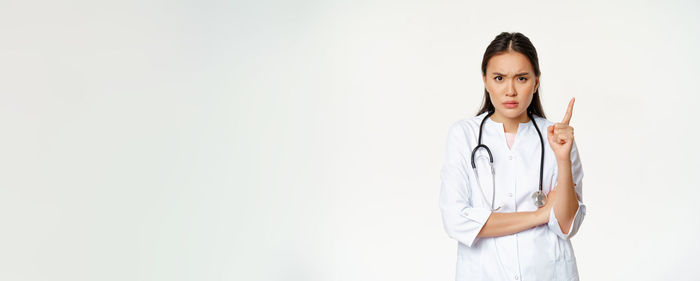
461	220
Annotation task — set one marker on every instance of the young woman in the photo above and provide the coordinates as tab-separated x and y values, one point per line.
513	218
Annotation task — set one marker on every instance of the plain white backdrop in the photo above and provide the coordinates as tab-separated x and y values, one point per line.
303	140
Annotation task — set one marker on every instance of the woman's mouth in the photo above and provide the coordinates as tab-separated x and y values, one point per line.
510	104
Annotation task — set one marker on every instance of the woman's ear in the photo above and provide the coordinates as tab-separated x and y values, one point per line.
537	84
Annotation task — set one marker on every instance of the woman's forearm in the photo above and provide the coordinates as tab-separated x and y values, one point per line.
566	205
499	224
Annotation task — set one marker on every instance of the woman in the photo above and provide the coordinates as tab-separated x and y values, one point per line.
504	228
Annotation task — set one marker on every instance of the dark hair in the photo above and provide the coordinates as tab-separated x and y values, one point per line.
520	43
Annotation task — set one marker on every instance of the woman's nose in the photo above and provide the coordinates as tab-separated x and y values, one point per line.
510	89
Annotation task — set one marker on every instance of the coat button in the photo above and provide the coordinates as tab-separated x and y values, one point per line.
510	157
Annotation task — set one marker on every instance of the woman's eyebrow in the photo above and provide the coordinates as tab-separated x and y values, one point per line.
519	74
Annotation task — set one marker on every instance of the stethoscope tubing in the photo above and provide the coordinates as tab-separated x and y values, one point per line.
480	145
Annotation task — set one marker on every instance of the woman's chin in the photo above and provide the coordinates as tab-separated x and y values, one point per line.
512	113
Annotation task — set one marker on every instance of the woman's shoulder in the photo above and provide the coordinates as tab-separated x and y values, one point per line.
467	125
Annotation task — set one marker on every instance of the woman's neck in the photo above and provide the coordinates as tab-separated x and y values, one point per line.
510	125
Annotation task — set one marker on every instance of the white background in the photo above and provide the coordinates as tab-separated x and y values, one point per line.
303	140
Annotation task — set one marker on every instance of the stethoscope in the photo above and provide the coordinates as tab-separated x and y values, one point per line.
538	197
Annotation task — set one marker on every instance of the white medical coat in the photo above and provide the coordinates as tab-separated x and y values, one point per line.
539	253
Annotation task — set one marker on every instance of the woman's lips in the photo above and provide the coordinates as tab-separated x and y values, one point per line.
510	104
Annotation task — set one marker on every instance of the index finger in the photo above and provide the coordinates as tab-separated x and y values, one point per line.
569	111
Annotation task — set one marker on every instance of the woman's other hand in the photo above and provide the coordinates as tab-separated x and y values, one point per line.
543	212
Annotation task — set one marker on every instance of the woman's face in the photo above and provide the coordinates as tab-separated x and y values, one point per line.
510	81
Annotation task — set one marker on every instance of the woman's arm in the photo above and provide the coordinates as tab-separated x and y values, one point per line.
500	224
567	204
561	139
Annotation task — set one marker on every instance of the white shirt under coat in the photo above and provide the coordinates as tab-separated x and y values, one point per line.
539	253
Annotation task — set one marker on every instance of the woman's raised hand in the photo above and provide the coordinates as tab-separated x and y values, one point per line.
561	135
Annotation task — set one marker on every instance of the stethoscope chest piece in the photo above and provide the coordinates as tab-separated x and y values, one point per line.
539	198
